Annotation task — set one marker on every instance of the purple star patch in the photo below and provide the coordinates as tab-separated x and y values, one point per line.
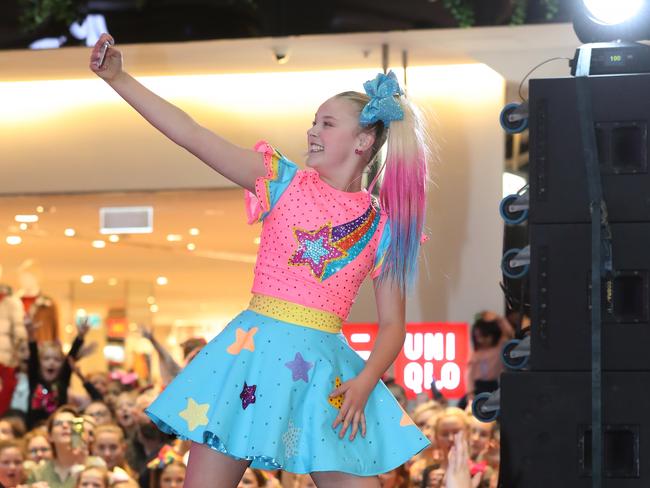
299	368
247	395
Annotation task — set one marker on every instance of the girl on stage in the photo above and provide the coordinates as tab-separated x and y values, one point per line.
279	387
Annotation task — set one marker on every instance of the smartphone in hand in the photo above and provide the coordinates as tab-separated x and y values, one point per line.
102	53
76	437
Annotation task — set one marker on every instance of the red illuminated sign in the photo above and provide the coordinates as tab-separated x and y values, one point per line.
431	352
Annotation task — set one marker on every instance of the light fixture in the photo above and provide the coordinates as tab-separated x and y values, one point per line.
608	20
257	240
40	209
194	231
29	219
153	308
151	300
70	232
162	280
99	244
191	246
87	279
174	237
23	226
112	281
13	240
114	238
612	13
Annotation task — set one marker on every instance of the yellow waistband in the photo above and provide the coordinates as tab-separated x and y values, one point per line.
279	309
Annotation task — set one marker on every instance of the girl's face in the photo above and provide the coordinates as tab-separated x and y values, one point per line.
11	467
39	448
125	411
99	412
51	363
248	480
435	478
333	136
110	447
448	427
429	430
6	432
91	478
172	476
482	341
479	436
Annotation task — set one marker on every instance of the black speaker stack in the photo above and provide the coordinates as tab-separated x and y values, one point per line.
546	409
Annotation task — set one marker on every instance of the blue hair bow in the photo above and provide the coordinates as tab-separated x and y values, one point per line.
382	105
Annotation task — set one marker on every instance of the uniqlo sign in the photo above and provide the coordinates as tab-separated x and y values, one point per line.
431	352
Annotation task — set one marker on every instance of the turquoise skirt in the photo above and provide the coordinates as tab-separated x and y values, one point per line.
259	391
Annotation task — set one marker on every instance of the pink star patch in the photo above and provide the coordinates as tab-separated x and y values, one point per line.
315	249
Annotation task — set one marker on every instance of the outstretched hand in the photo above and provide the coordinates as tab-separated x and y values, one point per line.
356	392
112	65
457	475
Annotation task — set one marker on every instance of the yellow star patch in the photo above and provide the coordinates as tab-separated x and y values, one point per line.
195	414
244	340
337	401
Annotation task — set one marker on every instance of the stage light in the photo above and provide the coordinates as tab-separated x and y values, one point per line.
608	21
612	13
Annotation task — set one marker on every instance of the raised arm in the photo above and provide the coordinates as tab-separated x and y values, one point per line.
241	166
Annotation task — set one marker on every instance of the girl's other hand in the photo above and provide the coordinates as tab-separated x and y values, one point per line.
112	65
457	475
356	393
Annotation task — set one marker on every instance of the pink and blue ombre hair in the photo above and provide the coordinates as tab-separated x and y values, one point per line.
403	190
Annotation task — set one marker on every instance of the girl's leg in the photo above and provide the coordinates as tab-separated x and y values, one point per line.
207	467
336	479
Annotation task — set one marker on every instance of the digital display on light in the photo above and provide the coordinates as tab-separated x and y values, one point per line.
614	59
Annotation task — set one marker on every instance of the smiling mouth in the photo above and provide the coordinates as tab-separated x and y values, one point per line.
314	148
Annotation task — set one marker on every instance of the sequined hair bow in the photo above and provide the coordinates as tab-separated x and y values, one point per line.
165	457
382	105
123	377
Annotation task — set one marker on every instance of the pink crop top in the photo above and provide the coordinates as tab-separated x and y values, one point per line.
318	243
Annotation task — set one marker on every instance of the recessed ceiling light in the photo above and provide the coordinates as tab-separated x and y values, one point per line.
13	240
174	237
162	280
26	218
194	231
70	232
114	238
257	241
99	244
23	226
151	300
112	281
40	209
191	246
87	279
153	308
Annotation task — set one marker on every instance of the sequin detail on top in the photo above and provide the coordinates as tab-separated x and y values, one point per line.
328	249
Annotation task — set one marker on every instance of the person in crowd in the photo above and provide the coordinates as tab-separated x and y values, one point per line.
339	236
111	446
489	333
429	456
100	412
6	430
432	476
49	373
93	477
15	385
70	450
395	478
398	392
424	411
166	470
18	422
153	442
253	478
449	423
37	446
11	463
